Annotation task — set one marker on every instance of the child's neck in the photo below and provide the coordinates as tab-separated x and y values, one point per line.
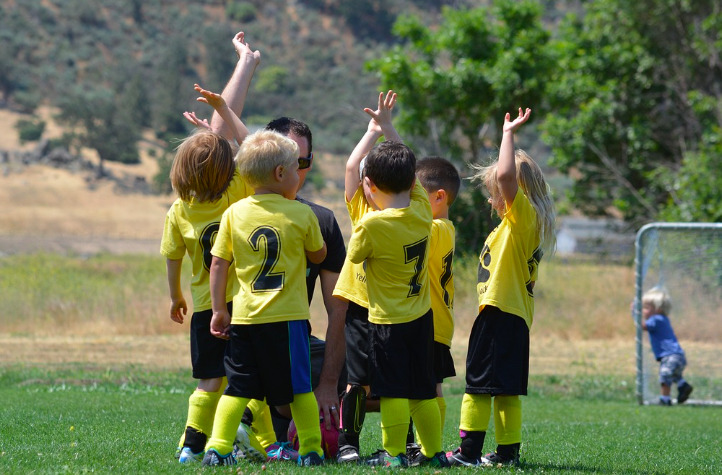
392	200
441	214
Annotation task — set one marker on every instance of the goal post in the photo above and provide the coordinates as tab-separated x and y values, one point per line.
685	259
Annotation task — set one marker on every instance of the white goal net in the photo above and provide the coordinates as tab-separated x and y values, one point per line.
685	259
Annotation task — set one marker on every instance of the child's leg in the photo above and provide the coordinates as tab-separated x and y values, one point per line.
425	413
262	424
353	413
228	416
201	412
304	409
474	420
394	424
507	420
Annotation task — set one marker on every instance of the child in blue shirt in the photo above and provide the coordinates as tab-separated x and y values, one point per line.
655	308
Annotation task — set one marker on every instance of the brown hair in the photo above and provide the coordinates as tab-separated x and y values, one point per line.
203	167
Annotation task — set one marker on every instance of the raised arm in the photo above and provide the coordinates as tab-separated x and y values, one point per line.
237	88
380	124
237	129
506	168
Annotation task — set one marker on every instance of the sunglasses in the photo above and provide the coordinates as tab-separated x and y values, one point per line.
305	162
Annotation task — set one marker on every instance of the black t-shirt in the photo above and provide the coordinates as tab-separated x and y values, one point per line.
335	247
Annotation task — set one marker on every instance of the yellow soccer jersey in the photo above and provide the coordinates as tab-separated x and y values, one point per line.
192	227
351	283
441	278
266	236
394	244
509	262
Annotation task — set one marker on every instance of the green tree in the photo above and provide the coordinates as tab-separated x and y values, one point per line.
623	98
457	80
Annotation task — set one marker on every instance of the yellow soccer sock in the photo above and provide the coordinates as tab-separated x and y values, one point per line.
442	411
262	422
425	413
202	411
304	410
228	416
394	424
475	412
507	419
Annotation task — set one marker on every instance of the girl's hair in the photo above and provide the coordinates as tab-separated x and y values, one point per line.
658	298
203	167
531	181
261	152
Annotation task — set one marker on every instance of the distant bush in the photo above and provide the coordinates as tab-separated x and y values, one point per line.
161	180
30	130
243	12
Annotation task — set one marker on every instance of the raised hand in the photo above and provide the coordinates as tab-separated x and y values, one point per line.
513	125
209	97
381	117
197	122
243	49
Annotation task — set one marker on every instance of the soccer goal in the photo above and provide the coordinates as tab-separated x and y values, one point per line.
686	259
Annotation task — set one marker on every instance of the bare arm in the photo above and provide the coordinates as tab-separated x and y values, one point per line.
178	306
237	88
221	320
237	128
317	257
506	169
335	351
380	124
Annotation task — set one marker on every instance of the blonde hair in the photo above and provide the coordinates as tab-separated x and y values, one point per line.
531	181
659	299
260	154
203	167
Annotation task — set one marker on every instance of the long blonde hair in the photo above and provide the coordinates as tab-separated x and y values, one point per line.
531	181
203	167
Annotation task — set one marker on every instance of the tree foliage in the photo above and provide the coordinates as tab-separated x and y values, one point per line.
456	81
636	108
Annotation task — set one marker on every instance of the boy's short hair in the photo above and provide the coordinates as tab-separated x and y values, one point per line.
261	152
286	125
659	299
436	173
203	167
391	166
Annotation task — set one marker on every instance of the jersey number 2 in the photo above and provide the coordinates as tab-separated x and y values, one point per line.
266	280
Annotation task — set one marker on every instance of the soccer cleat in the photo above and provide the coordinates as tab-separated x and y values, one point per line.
347	454
178	451
247	446
381	458
413	450
187	456
281	451
665	402
457	459
439	460
311	459
684	391
213	458
493	459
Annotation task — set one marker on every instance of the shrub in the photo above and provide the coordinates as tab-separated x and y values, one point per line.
30	130
243	12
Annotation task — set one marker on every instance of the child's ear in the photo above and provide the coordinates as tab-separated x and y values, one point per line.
370	184
440	195
278	172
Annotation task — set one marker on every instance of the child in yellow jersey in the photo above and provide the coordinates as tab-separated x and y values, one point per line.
265	239
441	180
351	287
205	177
497	362
393	243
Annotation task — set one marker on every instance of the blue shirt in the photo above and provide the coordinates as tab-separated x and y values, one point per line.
662	338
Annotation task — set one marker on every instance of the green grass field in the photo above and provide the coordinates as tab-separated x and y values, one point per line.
96	412
79	421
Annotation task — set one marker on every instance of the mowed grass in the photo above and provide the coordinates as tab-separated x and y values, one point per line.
76	421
